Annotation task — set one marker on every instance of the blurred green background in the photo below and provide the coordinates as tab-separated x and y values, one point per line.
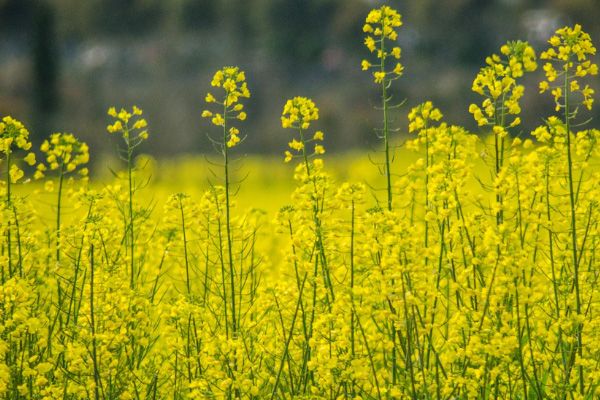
63	63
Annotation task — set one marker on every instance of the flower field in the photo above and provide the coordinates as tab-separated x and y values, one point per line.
459	266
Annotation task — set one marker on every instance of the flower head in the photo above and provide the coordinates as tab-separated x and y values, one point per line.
382	24
570	48
232	80
497	82
13	133
63	151
122	125
298	113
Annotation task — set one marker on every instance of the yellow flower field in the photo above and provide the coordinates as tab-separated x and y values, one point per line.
455	267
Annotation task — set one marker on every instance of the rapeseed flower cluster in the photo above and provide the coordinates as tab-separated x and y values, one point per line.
63	152
381	24
14	136
298	114
478	280
570	49
122	125
497	82
229	78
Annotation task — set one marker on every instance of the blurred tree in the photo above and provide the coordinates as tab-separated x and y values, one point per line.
125	17
45	59
299	29
346	25
233	20
457	31
15	16
198	14
31	24
159	52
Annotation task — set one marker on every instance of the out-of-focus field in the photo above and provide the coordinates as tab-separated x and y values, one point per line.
267	181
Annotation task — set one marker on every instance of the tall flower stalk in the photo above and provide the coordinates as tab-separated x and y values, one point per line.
570	49
13	136
298	114
65	154
133	134
381	23
232	81
500	109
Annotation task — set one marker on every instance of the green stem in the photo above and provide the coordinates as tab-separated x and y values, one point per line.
228	222
58	209
185	251
131	225
573	225
317	220
386	141
97	381
19	246
352	315
289	338
234	322
369	353
8	204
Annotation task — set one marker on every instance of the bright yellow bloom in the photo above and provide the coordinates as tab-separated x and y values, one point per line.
218	120
233	140
15	173
398	69
30	159
296	145
370	43
117	126
140	124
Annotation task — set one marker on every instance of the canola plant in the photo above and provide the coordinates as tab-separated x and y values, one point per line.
448	282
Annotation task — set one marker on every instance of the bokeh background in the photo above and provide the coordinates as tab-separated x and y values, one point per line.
63	63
